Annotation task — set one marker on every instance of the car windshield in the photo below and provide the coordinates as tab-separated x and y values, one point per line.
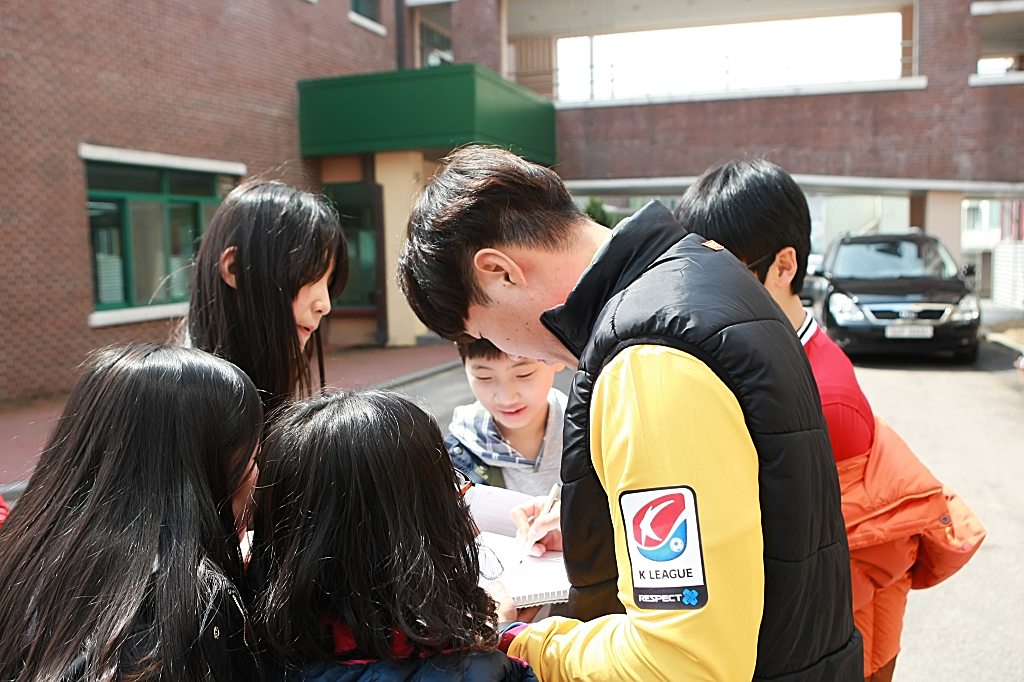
893	258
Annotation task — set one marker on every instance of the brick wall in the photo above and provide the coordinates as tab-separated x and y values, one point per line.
476	32
189	77
948	130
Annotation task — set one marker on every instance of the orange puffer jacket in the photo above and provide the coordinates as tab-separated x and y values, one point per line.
906	530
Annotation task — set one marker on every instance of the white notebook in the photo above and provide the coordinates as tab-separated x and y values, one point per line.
538	580
490	507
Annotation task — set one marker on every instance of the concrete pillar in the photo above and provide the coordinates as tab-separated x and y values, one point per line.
917	211
942	218
400	175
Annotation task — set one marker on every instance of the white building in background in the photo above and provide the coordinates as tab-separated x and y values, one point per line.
833	215
980	232
1008	255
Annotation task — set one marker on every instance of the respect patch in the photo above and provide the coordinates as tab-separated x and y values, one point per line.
665	555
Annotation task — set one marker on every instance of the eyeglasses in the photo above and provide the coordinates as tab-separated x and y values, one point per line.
462	482
753	266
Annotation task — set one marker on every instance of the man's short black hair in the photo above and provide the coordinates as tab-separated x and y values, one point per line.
754	209
484	198
479	348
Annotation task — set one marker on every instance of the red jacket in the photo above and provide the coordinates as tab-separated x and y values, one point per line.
906	530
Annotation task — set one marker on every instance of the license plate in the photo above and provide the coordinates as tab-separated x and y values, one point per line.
909	331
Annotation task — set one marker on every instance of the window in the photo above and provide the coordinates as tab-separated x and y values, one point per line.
354	204
145	225
893	259
361	290
1002	43
435	47
367	8
435	42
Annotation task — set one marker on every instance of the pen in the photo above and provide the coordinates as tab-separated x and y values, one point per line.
556	490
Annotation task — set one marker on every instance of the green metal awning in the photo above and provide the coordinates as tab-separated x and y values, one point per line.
441	107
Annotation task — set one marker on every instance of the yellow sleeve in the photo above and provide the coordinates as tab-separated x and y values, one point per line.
663	423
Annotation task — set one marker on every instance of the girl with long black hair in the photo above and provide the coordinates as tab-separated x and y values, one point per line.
366	550
270	263
119	559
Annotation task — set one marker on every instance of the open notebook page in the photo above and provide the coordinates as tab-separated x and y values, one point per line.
538	580
490	507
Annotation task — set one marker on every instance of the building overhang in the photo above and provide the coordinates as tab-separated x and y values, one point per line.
823	184
567	18
442	107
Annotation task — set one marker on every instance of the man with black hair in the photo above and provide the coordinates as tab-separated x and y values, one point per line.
700	510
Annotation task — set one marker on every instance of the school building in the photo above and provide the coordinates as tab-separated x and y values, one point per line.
122	126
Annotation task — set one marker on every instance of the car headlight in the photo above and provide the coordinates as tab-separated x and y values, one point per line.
968	309
844	309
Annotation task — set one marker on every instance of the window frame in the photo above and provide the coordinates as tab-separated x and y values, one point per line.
123	198
357	7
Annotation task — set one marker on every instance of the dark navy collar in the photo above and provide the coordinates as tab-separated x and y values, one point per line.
632	247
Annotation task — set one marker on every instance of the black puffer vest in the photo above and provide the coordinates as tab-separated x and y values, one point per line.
649	285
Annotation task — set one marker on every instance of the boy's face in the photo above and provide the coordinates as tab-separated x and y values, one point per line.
513	389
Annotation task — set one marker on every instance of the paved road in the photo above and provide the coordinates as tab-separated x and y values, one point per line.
967	425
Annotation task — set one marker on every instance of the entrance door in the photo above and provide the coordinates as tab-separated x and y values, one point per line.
359	208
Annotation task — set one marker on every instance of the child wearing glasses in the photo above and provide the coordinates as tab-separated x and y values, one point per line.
511	436
365	551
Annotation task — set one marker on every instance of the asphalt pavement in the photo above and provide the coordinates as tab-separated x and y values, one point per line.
967	424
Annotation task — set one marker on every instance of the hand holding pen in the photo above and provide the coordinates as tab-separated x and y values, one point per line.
538	523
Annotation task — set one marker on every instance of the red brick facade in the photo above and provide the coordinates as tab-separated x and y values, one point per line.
187	77
476	33
218	80
947	131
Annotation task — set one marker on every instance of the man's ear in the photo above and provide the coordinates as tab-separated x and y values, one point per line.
227	266
494	269
785	267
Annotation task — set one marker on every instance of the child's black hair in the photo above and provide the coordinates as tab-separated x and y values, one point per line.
479	348
125	532
359	518
753	208
285	239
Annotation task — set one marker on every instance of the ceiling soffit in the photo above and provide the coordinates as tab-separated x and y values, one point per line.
567	18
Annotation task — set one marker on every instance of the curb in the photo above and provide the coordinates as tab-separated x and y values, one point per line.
416	376
12	491
1004	340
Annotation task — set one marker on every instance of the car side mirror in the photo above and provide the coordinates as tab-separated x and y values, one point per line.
969	270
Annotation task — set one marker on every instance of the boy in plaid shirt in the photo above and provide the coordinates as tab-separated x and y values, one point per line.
512	435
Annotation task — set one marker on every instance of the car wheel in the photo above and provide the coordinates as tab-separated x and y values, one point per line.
966	356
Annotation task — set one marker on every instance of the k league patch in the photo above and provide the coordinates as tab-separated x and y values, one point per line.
665	555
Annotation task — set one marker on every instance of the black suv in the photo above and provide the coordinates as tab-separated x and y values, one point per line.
900	293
